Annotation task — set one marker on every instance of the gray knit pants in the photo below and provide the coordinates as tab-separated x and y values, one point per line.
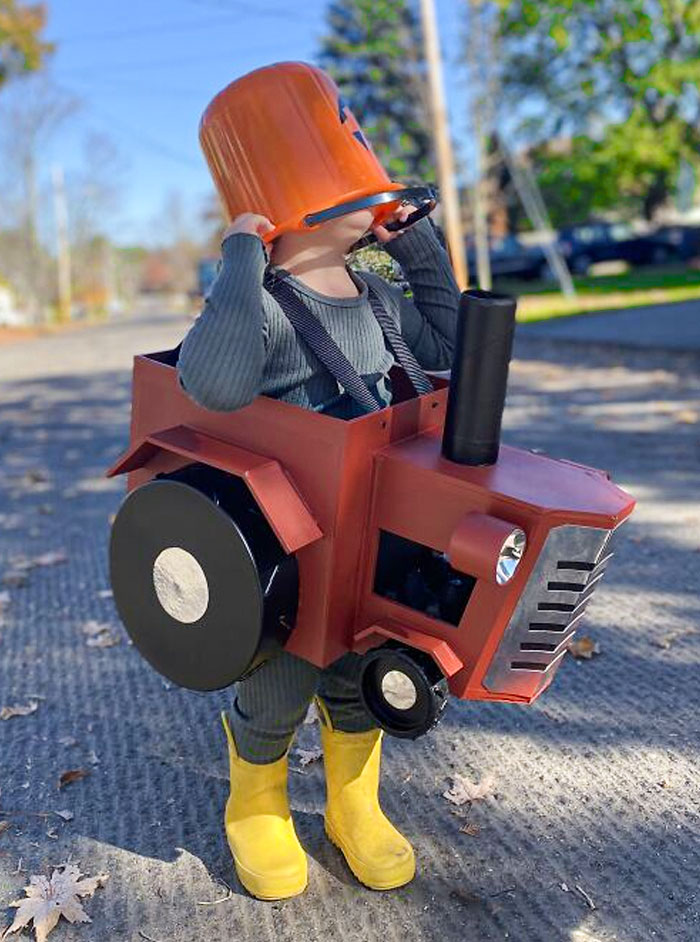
271	703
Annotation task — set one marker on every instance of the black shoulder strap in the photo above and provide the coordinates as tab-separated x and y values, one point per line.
398	346
317	337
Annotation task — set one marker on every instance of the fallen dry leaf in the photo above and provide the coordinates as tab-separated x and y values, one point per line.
105	640
667	640
307	756
99	634
11	521
47	900
587	898
463	790
72	775
7	712
35	476
4	825
584	648
15	580
311	714
23	564
51	558
471	829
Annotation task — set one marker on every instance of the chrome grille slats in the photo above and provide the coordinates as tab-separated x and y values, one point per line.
565	576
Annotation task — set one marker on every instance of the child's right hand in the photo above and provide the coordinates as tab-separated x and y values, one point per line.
250	224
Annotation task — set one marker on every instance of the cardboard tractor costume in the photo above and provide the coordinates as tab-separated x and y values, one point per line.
408	535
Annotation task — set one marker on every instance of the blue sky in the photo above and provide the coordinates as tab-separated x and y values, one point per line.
145	72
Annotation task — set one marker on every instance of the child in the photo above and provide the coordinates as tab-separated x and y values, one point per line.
243	345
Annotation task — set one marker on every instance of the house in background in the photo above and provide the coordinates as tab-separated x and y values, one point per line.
10	314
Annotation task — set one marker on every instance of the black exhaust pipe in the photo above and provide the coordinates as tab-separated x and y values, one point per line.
483	349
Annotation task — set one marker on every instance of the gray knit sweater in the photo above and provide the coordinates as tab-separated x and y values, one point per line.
242	345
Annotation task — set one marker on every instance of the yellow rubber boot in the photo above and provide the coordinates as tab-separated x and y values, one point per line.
378	855
270	861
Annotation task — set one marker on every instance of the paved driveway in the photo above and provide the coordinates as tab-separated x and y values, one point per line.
596	786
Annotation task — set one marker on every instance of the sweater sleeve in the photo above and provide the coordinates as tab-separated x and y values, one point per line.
223	354
429	319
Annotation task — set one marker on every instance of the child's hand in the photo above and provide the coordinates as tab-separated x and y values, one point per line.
250	224
401	215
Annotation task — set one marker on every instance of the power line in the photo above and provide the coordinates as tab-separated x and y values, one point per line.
115	84
252	8
146	140
102	67
166	27
141	31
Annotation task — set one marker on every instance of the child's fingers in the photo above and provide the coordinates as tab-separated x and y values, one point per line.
383	234
263	225
250	224
401	215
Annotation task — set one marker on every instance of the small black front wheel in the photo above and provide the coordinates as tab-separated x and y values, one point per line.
403	689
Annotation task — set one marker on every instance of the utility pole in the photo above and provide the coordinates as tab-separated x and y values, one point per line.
481	228
445	159
529	193
63	264
480	62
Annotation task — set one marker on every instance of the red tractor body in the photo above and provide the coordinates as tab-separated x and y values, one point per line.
368	505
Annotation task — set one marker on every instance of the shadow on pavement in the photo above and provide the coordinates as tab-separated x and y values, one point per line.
594	785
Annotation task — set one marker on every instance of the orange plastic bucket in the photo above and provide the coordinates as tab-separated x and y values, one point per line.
281	142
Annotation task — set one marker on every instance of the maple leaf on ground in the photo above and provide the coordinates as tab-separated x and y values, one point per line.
47	900
463	790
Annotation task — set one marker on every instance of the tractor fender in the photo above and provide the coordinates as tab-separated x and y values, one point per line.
273	490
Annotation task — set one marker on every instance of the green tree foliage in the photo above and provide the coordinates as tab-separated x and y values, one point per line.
21	48
373	50
621	79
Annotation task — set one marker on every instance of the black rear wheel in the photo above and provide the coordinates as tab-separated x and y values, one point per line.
201	583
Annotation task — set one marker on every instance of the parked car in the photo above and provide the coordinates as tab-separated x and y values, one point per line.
585	245
511	259
684	239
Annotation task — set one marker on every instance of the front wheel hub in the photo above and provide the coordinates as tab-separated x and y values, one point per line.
404	690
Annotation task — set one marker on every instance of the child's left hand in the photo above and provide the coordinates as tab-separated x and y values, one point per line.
401	215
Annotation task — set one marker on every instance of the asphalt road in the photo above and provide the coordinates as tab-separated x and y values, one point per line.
593	828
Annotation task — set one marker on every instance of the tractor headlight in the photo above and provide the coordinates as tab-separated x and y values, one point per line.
510	556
